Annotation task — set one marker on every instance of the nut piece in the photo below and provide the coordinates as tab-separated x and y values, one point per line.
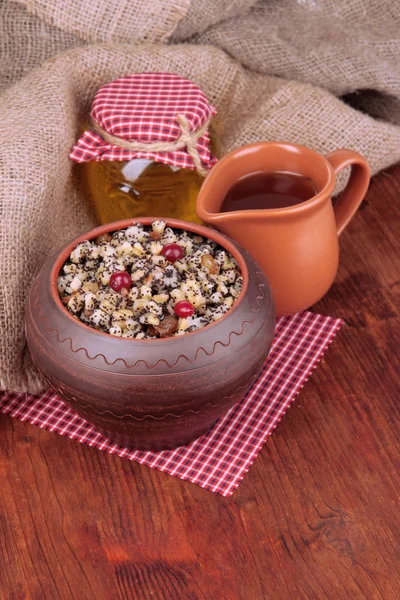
161	298
149	319
155	236
105	238
147	280
90	286
207	262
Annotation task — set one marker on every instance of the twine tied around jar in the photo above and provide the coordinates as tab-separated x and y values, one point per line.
188	139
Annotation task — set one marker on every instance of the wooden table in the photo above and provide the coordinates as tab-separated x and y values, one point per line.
317	516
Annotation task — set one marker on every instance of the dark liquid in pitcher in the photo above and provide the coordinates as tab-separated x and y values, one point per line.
268	190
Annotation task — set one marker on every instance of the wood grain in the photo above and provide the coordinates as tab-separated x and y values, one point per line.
317	517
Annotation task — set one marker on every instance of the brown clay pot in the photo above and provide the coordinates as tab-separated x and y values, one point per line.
151	394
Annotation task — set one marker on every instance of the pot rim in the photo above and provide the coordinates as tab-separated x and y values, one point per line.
206	232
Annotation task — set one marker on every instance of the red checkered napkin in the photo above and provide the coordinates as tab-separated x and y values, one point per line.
219	459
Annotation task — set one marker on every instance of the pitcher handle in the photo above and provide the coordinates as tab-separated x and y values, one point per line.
354	193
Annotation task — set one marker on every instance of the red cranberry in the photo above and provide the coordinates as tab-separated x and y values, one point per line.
172	252
184	309
119	280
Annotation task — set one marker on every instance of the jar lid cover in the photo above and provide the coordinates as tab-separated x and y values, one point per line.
158	116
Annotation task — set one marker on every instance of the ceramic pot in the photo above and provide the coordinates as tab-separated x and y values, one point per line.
151	394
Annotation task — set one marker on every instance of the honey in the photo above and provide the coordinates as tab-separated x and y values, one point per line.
143	188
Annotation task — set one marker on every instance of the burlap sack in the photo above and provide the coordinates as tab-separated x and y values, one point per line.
33	30
339	45
118	21
40	200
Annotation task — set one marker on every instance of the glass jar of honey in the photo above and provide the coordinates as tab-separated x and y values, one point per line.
147	148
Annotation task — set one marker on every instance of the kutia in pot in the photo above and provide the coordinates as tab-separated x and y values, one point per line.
164	391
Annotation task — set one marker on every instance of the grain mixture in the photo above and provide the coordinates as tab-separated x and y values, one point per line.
148	282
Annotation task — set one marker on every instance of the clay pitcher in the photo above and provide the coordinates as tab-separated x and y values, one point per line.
296	246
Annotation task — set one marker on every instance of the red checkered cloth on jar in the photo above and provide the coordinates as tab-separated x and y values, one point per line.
143	108
219	459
